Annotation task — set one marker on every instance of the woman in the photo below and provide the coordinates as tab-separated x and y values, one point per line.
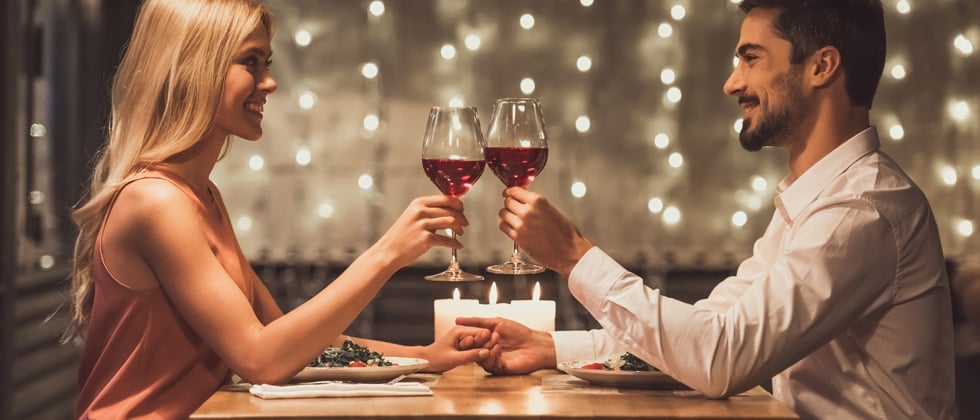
163	298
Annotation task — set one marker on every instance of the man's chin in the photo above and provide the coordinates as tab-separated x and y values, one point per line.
751	142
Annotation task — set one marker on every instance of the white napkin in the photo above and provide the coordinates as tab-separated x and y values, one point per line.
339	389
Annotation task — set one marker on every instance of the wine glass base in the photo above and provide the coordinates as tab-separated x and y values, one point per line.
454	275
515	268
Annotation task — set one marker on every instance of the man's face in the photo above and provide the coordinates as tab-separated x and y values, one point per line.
767	86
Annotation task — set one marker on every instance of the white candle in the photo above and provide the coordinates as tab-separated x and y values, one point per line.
447	310
537	314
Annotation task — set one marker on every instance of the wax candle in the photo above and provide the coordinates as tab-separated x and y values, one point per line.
447	310
537	314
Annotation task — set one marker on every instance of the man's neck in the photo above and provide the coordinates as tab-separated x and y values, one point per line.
832	126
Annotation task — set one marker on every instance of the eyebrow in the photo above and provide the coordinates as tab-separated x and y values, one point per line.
258	51
745	48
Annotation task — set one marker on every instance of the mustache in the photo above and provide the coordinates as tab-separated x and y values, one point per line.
748	99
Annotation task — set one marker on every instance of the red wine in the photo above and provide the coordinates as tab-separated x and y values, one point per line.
453	176
516	166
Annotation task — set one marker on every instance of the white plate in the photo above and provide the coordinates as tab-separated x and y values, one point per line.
620	378
405	365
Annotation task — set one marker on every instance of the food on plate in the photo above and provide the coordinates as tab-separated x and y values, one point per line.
626	362
350	355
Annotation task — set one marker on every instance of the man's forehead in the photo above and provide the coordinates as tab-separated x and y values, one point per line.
758	29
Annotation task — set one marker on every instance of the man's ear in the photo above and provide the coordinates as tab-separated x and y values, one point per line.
824	66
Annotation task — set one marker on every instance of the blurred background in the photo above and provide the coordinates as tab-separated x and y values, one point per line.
643	147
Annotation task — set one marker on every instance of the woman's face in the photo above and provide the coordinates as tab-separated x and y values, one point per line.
246	86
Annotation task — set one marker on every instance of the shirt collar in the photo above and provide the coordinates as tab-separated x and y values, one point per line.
792	195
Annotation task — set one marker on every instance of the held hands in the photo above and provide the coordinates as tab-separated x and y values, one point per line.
414	232
517	349
541	230
460	345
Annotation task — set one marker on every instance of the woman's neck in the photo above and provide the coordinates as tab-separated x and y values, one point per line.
195	164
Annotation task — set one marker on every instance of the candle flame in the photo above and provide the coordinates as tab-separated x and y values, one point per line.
456	294
493	293
536	294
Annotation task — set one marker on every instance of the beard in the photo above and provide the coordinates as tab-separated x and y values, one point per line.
773	128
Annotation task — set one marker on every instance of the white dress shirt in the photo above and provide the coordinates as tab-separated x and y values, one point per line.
844	303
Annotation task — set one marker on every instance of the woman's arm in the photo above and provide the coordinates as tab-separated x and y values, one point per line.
164	228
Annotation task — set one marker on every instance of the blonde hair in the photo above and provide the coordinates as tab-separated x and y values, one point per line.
164	97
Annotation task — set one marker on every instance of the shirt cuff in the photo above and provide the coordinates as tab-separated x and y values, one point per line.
593	276
585	346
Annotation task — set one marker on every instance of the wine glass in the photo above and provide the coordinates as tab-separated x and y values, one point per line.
452	157
517	149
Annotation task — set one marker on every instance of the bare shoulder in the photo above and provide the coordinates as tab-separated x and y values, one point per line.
136	226
148	205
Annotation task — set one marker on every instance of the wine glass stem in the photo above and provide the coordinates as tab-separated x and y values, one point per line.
453	261
515	257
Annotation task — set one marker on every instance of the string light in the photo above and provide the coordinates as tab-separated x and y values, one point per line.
665	30
959	110
35	197
672	215
759	183
896	132
377	8
675	160
256	163
325	210
527	85
585	3
244	223
307	100
369	70
578	189
678	12
472	42
448	52
661	140
674	95
303	37
898	72
583	63
655	205
527	21
976	172
739	218
303	156
948	174
371	122
365	182
456	102
964	228
38	130
583	123
963	45
46	262
737	126
667	76
903	7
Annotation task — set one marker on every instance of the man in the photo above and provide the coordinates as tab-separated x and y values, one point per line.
845	301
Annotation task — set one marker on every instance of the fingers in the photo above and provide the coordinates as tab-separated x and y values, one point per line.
485	323
441	201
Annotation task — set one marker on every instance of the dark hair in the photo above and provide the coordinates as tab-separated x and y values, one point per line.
855	27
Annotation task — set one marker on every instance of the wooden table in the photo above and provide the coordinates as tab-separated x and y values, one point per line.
469	392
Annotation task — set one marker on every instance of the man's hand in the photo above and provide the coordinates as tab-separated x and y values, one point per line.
518	349
460	345
541	230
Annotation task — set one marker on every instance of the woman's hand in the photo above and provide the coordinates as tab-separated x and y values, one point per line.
517	350
414	232
460	345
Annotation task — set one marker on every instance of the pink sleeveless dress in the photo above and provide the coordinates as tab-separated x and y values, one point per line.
140	358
